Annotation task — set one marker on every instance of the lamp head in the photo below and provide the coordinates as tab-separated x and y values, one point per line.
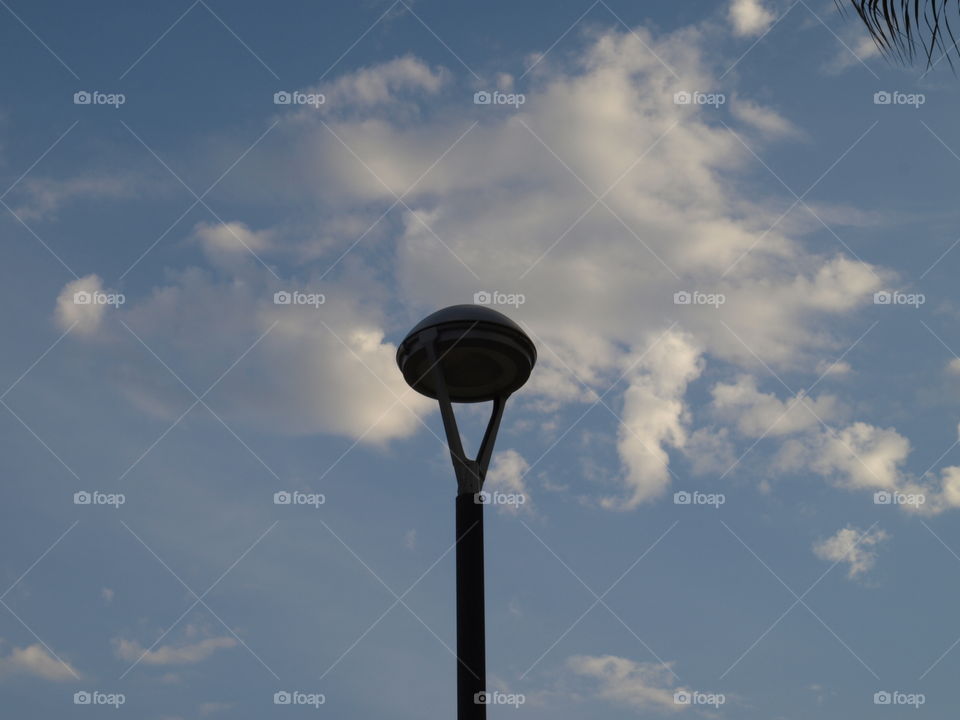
482	354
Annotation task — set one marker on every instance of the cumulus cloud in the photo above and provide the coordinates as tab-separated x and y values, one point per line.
826	368
44	197
868	458
764	119
324	367
759	414
495	200
853	547
654	416
636	685
855	54
82	304
750	17
950	483
35	660
383	83
188	654
506	475
710	451
859	456
229	238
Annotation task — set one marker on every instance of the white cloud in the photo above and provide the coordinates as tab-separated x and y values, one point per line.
44	197
323	368
71	310
654	416
710	451
36	661
758	414
502	205
828	368
636	685
853	547
950	484
506	476
953	367
219	239
853	54
187	654
862	456
750	17
766	120
381	84
107	595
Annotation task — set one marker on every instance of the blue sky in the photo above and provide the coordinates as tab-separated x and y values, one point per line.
755	157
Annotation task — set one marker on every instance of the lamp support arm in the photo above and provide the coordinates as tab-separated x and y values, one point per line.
470	472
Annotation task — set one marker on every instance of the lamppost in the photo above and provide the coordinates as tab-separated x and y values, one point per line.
468	354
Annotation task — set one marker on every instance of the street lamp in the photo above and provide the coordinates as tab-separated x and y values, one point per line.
468	354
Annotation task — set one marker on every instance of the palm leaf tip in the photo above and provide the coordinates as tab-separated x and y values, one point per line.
904	28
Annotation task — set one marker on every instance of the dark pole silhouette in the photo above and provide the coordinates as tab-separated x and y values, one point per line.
468	354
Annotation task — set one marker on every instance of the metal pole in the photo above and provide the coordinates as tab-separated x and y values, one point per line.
471	638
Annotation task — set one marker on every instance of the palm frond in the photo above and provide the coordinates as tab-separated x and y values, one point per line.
906	28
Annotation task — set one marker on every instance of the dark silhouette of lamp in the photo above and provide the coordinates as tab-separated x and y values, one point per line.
468	354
